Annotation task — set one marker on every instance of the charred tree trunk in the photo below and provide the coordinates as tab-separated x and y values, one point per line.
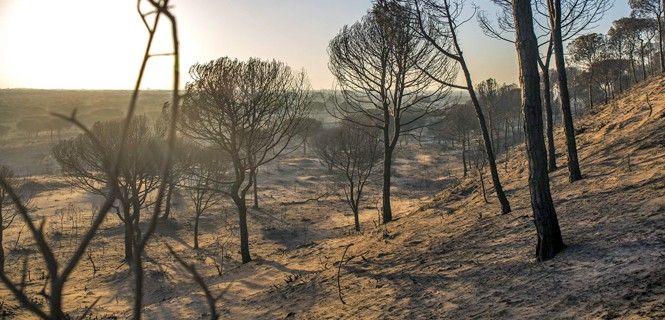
136	219
136	262
55	300
520	129
255	190
607	93
356	218
505	138
590	89
239	197
137	266
549	127
466	171
491	126
167	202
129	234
512	134
632	66
387	175
574	172
196	229
244	232
644	64
545	219
661	57
491	159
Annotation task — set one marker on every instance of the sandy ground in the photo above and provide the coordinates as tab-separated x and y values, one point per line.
448	254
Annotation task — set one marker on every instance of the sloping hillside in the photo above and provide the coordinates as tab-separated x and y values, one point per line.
448	254
456	257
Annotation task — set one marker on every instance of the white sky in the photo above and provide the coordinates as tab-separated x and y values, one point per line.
98	44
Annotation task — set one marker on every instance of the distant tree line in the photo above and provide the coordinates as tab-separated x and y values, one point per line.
630	52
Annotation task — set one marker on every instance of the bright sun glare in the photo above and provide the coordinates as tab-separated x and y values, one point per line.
73	44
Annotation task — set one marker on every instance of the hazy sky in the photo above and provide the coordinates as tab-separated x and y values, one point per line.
98	44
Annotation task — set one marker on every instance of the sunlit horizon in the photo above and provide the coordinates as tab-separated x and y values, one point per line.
95	45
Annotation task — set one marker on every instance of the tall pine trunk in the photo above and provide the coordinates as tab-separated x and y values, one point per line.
167	202
547	226
137	266
549	127
574	172
244	232
196	228
491	126
590	89
356	219
466	171
505	138
491	159
239	197
644	64
255	190
661	57
632	66
129	233
387	175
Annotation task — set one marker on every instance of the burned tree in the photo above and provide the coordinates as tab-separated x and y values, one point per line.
479	161
179	161
325	137
8	211
249	110
461	121
438	23
353	152
504	26
386	73
547	225
608	72
501	104
619	48
509	99
306	130
638	33
567	19
556	22
83	161
654	9
628	36
204	182
59	272
587	50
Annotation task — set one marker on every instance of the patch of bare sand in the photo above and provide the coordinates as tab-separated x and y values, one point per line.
458	258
